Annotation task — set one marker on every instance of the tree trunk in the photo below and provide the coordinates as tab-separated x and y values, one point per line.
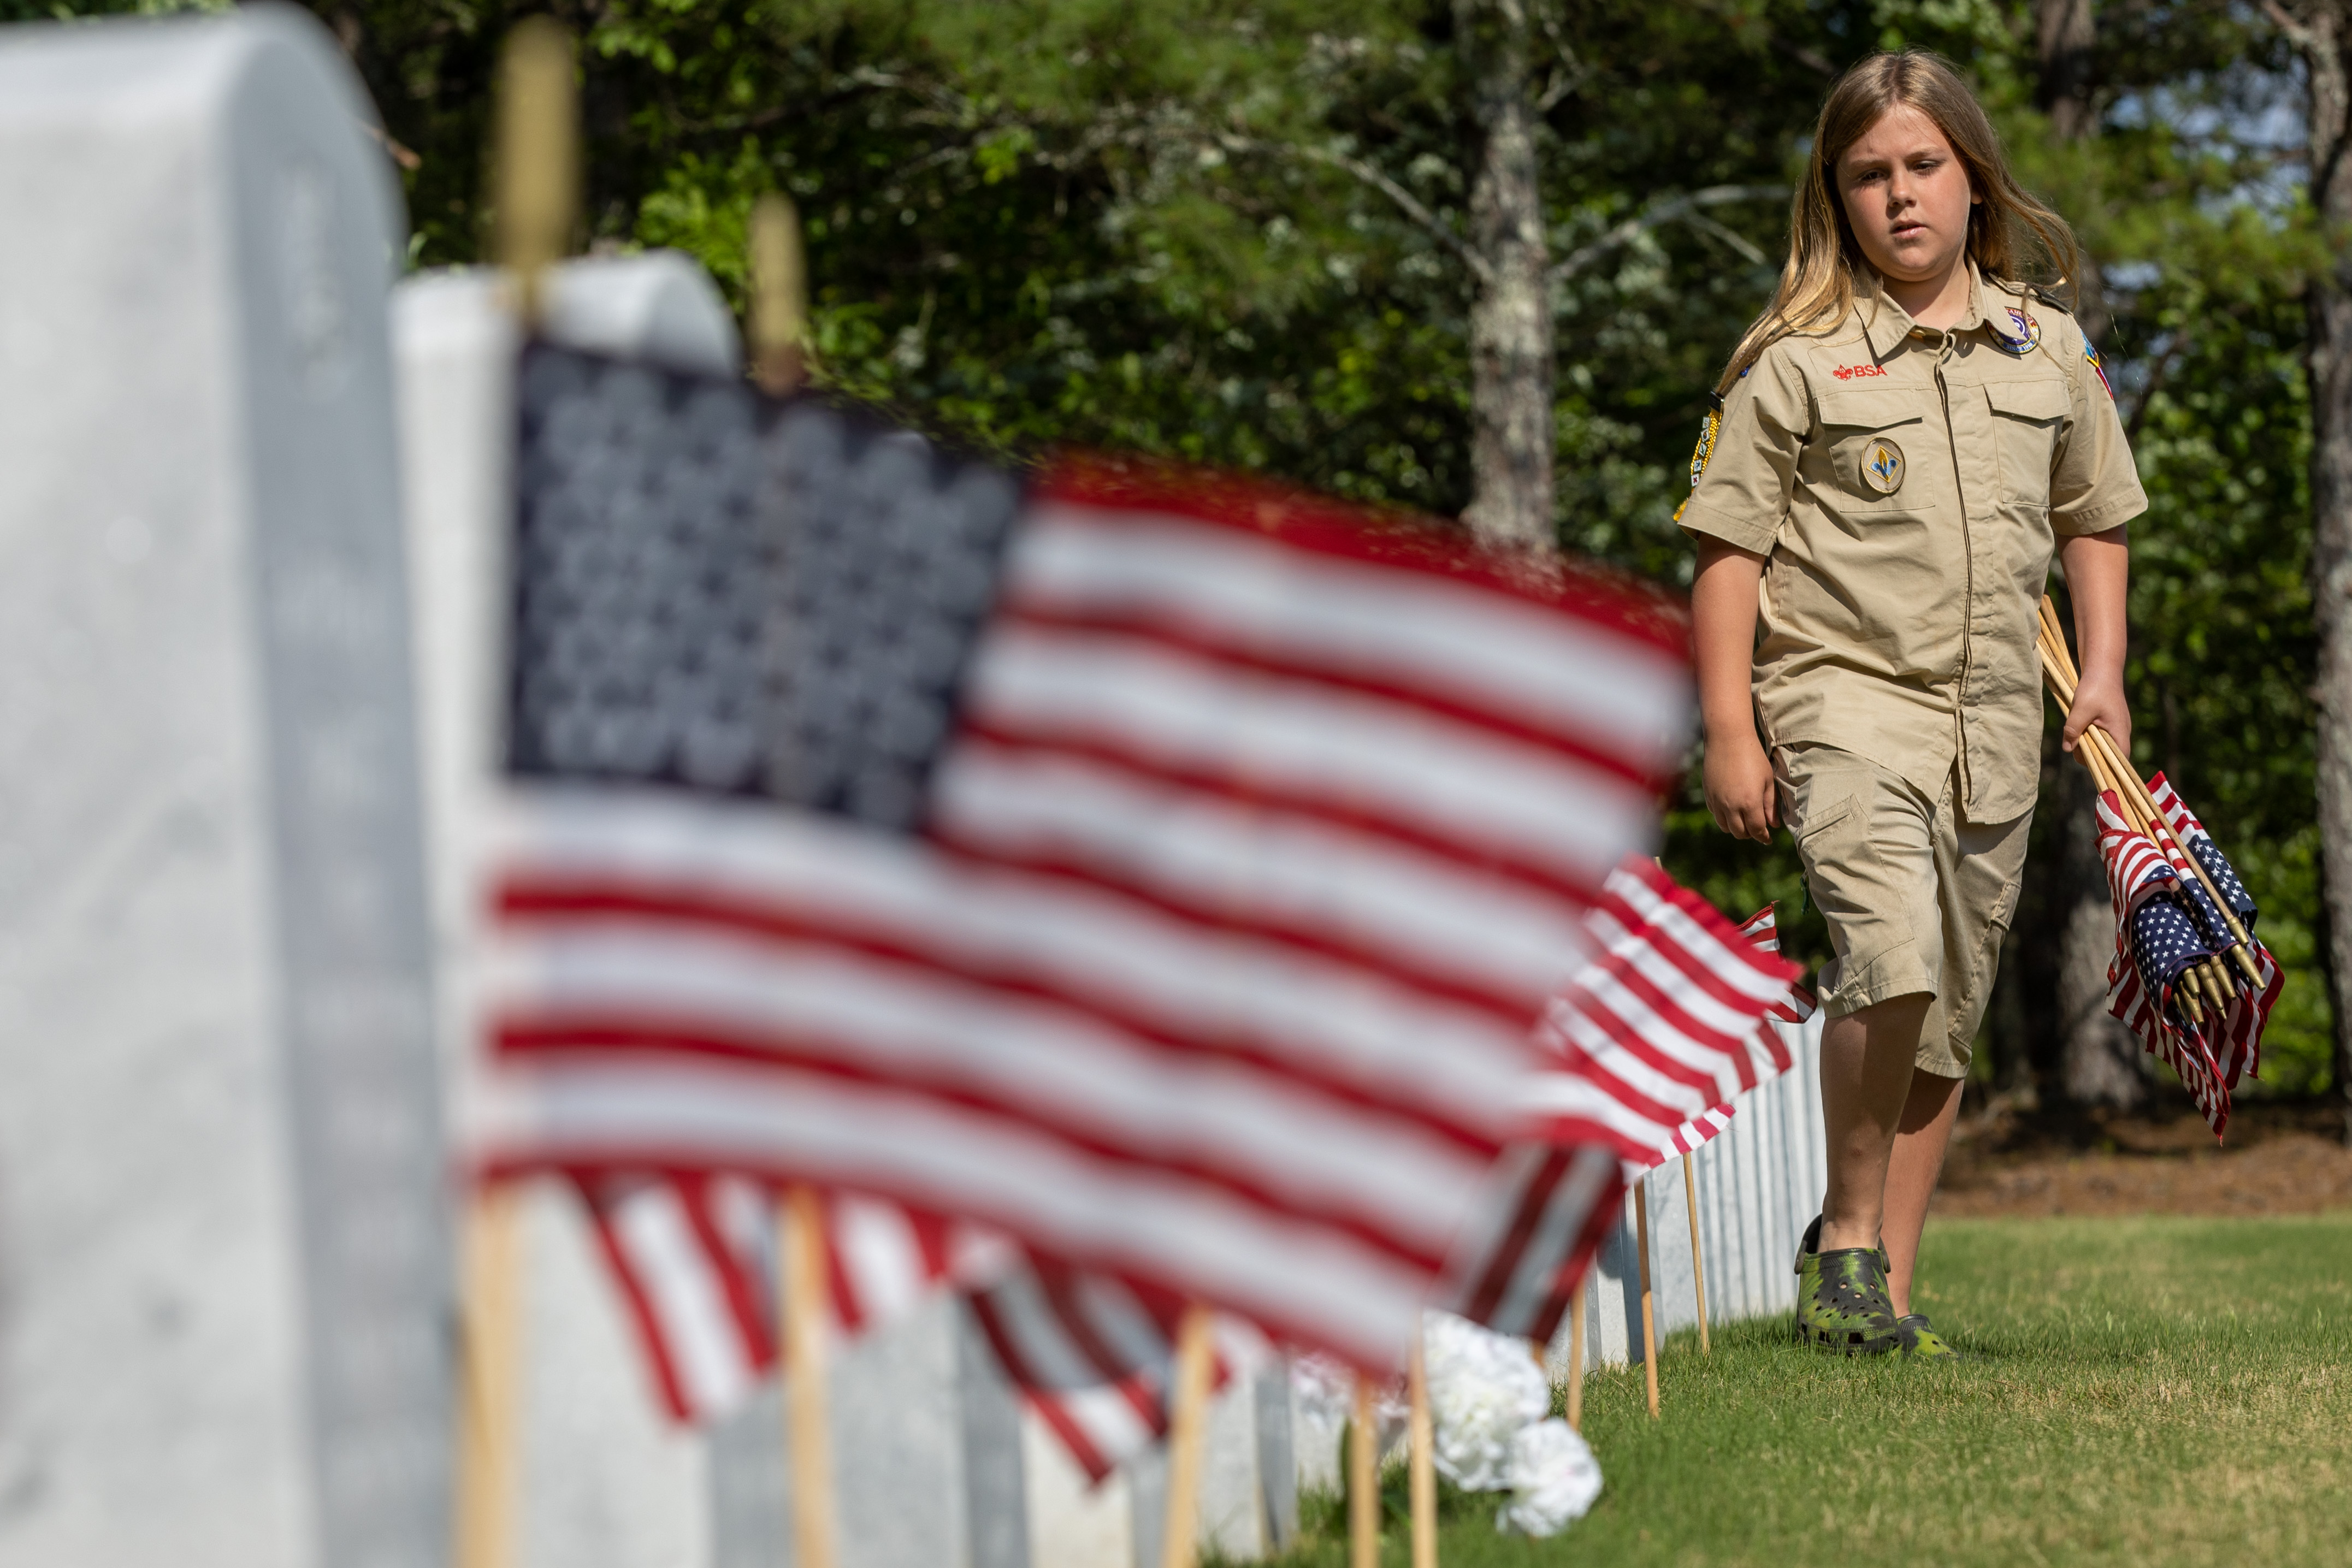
2325	39
2098	1061
1512	337
2065	32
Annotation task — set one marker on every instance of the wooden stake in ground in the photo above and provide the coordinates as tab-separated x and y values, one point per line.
536	198
1422	1460
1576	1359
1649	1324
489	1357
1698	1267
1363	1481
1188	1423
535	195
779	331
808	1435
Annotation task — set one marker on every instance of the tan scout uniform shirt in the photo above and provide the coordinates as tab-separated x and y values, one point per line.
1907	485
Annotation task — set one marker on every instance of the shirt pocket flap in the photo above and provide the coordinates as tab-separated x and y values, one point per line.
2028	400
1870	408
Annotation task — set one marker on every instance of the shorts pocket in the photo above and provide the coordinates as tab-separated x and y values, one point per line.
1812	824
2004	909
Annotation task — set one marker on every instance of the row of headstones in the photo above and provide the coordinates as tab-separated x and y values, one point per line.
244	703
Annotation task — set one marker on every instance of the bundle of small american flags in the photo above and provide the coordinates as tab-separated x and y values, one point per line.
2198	1015
2189	977
1118	890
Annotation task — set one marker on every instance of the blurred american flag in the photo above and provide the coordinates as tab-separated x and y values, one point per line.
1165	871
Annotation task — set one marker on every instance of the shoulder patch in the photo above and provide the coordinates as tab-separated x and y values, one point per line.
1708	429
2091	357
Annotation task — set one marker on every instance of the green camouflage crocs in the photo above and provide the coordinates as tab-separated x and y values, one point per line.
1841	1304
1922	1342
1809	1272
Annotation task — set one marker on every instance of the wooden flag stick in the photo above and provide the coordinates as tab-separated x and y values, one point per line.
1421	1460
780	332
808	1433
535	172
2058	664
1363	1481
1576	1359
536	197
489	1347
1188	1423
1698	1268
1649	1325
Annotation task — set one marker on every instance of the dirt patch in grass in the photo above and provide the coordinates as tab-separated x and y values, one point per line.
2280	1157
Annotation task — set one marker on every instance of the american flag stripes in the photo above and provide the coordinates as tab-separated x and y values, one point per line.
1560	1200
1663	1025
1165	872
1686	1138
695	1260
2141	1009
1763	928
1093	1356
2136	866
1678	1005
2200	843
2240	1049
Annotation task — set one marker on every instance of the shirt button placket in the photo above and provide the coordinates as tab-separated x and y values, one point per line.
1945	342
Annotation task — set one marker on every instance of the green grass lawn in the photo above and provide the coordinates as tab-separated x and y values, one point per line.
2146	1391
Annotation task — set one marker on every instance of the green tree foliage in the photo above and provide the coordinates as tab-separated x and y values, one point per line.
1226	231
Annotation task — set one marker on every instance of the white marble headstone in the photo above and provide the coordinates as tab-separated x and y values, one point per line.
224	1239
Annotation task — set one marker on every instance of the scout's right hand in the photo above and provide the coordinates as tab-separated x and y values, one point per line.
1740	793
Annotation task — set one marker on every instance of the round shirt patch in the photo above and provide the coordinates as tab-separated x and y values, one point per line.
2029	334
1882	466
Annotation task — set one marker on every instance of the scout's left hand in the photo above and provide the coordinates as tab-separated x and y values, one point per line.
2099	700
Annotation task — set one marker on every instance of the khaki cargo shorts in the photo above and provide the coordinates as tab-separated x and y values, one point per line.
1916	899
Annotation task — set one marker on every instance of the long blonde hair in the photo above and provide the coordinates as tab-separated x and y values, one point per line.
1817	286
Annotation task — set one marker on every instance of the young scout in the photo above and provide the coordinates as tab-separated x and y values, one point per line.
1903	437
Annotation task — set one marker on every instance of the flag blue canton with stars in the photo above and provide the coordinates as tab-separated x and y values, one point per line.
2225	879
2164	943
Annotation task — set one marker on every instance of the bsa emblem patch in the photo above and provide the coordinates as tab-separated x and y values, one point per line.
2029	334
1709	428
1882	466
2090	356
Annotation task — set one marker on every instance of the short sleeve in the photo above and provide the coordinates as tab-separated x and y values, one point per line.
1745	473
2093	485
